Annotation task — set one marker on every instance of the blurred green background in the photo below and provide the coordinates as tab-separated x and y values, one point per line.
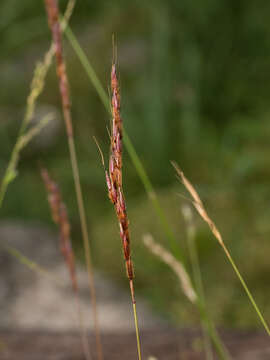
195	84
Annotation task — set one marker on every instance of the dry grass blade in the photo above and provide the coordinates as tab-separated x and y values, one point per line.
174	264
34	131
115	189
60	217
198	203
54	24
21	142
202	212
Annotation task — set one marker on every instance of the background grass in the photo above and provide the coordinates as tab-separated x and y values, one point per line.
195	88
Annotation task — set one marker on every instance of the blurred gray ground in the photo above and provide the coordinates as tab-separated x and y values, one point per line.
39	321
184	344
30	300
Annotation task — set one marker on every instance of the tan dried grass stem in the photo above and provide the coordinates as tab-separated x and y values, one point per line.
53	19
202	212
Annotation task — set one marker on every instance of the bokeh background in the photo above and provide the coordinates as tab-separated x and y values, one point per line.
195	84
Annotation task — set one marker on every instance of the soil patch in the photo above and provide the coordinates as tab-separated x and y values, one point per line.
165	344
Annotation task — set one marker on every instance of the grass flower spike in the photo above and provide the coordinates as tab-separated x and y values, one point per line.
115	189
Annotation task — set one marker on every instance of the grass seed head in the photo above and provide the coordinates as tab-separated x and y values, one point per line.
114	175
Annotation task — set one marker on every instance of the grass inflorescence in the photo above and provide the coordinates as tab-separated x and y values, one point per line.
115	188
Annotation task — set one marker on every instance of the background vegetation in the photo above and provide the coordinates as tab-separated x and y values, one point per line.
195	86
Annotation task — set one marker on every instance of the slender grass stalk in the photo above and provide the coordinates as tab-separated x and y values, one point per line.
202	212
84	338
216	340
115	190
53	19
88	68
137	330
193	253
37	86
250	296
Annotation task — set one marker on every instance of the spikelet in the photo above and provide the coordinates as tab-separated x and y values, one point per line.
114	175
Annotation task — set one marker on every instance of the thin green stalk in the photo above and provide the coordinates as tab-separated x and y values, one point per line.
152	196
251	298
22	140
137	331
221	350
194	259
88	67
83	330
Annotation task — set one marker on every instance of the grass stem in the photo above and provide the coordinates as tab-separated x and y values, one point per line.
137	331
251	298
53	19
199	206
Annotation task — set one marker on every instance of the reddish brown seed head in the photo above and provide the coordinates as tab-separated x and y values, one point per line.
114	178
